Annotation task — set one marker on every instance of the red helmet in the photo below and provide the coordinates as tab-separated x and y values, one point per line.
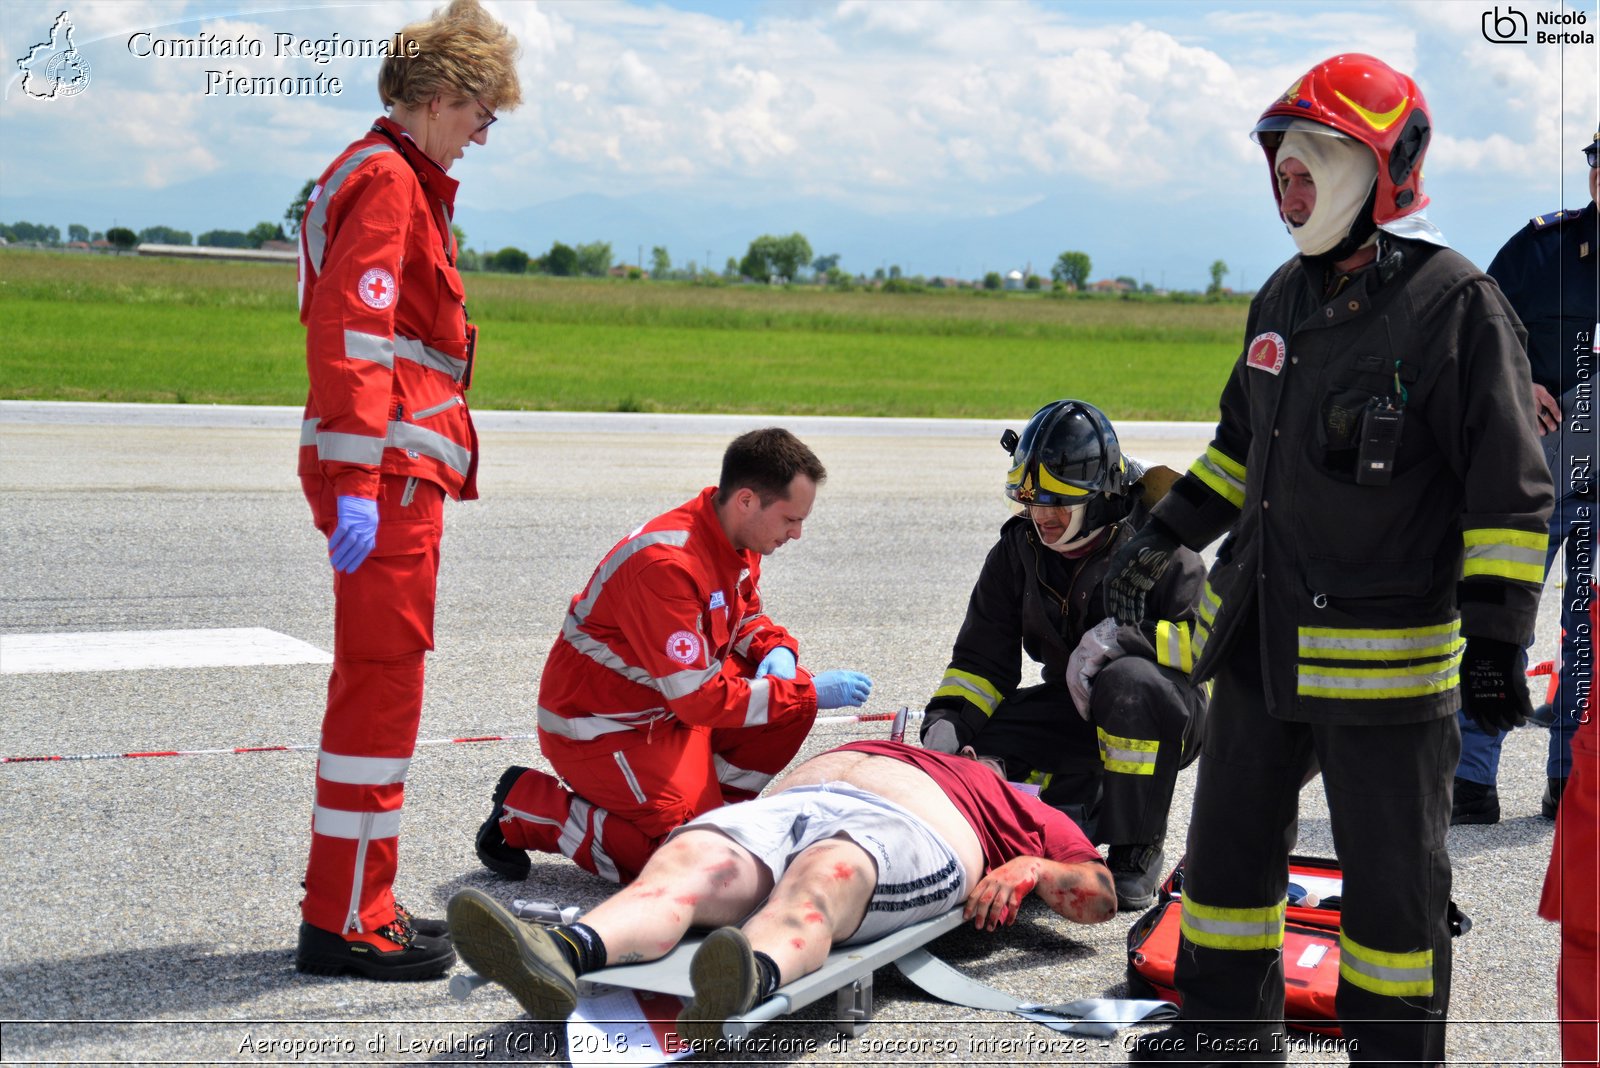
1363	98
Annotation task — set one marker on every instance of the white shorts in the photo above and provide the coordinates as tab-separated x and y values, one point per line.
919	875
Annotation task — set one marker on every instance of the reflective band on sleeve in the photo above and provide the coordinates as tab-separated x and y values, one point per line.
337	823
430	443
349	448
684	683
359	346
1373	643
739	778
411	349
1502	553
1223	476
317	218
755	712
975	689
1172	646
1207	617
1127	756
1395	975
360	770
1220	928
1041	779
1368	684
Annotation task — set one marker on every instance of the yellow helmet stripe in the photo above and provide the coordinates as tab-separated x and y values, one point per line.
1374	119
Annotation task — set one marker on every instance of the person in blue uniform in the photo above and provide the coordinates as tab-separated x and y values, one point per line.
1548	272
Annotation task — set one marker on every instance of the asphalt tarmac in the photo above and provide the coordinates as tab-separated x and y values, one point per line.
151	903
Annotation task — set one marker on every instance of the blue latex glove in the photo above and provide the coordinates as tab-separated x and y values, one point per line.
355	535
779	663
836	689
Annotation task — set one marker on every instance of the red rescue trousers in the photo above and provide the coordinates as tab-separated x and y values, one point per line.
629	798
382	626
1572	892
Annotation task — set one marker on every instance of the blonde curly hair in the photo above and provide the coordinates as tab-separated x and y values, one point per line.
460	50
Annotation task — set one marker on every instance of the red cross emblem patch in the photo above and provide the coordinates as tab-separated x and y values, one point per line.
376	288
684	647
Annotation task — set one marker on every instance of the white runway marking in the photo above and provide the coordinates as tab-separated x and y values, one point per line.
135	650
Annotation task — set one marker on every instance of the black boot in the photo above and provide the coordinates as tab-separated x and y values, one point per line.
1211	1045
1136	870
1551	801
408	954
1474	802
500	857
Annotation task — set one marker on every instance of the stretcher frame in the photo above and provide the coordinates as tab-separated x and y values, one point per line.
846	973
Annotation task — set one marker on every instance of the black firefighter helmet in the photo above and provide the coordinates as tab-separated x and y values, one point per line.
1068	456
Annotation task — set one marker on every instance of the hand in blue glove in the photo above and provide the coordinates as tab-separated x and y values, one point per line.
836	689
779	663
355	535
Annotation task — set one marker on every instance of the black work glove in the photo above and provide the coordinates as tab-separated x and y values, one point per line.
942	736
1137	567
1493	694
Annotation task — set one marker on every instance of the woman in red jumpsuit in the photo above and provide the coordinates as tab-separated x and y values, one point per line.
386	437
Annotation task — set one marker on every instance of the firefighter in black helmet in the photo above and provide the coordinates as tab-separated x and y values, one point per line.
1116	717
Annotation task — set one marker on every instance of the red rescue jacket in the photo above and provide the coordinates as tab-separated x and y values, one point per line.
667	628
388	345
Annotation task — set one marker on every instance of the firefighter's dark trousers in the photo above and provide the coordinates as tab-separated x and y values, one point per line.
1388	791
1113	773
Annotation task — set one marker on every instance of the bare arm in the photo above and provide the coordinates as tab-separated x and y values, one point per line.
1081	892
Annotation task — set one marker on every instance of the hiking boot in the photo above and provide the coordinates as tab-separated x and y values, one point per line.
519	956
1136	870
724	976
431	928
1223	1044
396	951
500	857
1551	801
1474	802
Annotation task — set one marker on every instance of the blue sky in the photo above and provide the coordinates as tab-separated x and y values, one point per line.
943	137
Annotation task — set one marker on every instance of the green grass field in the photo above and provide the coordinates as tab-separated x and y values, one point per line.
85	327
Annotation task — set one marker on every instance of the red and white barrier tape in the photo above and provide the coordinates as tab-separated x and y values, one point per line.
821	721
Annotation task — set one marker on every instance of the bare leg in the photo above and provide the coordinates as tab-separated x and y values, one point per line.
700	878
821	899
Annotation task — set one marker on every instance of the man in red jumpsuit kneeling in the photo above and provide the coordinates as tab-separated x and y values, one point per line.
668	691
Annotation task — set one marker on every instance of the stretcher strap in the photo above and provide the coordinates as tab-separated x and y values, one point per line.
1093	1017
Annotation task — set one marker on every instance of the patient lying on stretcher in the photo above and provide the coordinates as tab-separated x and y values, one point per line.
856	843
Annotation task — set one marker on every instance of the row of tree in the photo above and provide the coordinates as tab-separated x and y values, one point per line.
122	237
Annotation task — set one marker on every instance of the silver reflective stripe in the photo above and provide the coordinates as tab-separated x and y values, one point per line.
743	645
628	776
415	438
338	823
428	413
361	771
317	218
1511	554
1379	644
588	728
1110	754
755	713
308	431
572	627
411	349
349	448
573	830
604	866
739	778
1311	677
683	683
360	346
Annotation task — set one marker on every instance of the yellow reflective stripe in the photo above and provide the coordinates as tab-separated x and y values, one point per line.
1220	928
1371	684
1209	606
1504	553
1173	646
1041	779
1128	756
1378	643
1395	975
1224	476
973	688
1050	482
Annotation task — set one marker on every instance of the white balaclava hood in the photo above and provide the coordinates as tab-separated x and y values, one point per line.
1344	171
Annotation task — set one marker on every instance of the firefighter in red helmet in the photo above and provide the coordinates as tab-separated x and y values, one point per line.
1384	498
